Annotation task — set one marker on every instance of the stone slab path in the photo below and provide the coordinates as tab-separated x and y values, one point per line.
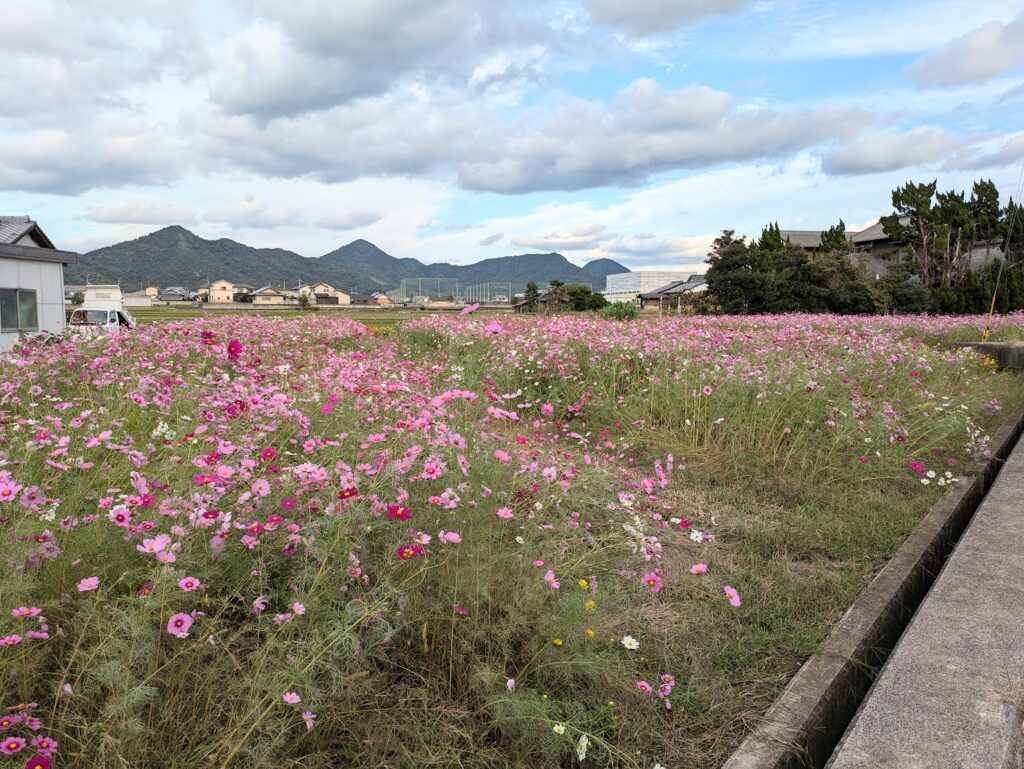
951	695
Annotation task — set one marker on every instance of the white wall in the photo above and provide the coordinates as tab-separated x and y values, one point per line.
47	280
642	281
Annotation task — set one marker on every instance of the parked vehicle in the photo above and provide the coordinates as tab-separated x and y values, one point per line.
102	312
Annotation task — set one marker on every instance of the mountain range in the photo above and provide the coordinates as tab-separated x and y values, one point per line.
173	256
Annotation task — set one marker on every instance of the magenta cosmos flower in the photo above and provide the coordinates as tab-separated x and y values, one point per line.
179	624
38	762
87	584
12	745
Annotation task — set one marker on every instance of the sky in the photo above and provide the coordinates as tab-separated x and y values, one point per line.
458	130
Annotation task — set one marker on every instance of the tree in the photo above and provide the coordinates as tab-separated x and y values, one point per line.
913	224
77	298
583	299
836	239
771	238
556	295
902	286
304	300
531	296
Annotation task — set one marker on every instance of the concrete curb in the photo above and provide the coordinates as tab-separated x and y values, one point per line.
806	722
1009	355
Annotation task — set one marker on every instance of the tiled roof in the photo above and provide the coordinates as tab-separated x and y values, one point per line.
13	228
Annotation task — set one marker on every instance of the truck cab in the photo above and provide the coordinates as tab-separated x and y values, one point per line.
93	320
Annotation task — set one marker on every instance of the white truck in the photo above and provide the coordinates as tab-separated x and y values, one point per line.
102	312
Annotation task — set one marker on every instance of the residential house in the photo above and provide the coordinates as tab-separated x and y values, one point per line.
325	294
175	294
273	295
31	281
363	300
152	292
221	292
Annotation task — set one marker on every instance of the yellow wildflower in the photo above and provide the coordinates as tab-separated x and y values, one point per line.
590	605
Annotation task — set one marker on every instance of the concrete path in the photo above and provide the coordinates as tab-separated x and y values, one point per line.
951	694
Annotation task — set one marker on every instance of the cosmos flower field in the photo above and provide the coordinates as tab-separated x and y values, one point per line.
464	542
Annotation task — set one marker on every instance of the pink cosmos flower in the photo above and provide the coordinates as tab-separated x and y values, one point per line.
501	456
188	584
643	686
652	580
25	611
707	390
179	624
310	718
449	537
734	597
89	583
259	605
504	512
44	745
291	698
298	608
510	684
698	568
11	745
12	640
553	583
166	556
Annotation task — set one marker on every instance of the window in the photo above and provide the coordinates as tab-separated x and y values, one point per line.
18	310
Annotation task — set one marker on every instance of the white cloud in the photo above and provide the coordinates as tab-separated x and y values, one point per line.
490	240
306	55
890	150
106	153
979	55
584	237
659	16
253	213
141	211
348	220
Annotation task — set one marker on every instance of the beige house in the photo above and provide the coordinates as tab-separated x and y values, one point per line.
152	292
271	295
222	292
323	293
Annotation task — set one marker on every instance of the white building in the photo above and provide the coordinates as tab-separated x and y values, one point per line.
627	286
31	281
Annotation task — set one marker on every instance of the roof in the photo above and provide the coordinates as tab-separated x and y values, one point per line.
802	238
875	232
274	290
14	228
692	283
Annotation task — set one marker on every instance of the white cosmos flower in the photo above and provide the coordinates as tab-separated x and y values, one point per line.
630	643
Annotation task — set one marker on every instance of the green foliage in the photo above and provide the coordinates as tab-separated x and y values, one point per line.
583	299
532	295
621	311
772	276
836	239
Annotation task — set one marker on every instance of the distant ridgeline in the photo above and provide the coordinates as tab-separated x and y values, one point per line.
174	256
